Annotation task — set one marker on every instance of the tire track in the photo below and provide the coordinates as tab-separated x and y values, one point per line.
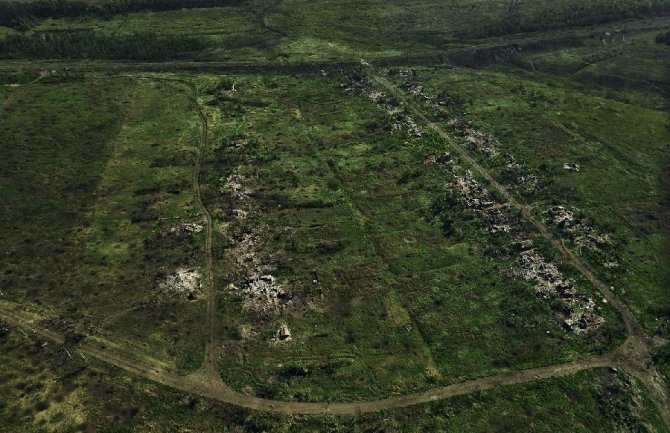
217	390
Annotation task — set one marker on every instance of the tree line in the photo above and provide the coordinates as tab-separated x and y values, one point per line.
20	14
520	17
91	45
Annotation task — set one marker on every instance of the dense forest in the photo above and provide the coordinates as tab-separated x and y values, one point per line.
91	45
519	18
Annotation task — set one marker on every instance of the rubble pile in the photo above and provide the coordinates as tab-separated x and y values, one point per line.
186	229
183	282
411	126
528	181
420	95
261	290
497	217
578	313
441	159
246	252
264	293
402	121
570	226
235	185
480	141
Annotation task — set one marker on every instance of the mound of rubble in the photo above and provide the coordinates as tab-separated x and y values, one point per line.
186	229
441	159
578	313
183	283
570	226
264	293
236	185
362	85
497	217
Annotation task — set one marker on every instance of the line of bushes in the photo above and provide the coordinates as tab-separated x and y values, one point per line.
20	14
563	14
91	45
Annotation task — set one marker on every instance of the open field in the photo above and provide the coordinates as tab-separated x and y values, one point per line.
338	211
297	216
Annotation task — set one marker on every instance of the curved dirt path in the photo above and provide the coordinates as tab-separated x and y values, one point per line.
263	19
217	390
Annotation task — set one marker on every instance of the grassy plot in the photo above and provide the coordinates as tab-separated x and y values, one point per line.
56	139
212	21
101	226
144	230
619	144
49	391
309	187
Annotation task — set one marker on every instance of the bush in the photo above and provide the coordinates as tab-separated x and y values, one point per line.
663	38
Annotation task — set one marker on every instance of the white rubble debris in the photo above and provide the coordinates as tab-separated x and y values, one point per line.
235	184
570	226
186	228
264	293
182	282
578	314
496	216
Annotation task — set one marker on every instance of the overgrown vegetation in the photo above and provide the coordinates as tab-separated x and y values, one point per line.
92	45
22	15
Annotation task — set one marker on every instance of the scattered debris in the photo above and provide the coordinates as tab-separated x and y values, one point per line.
240	214
182	282
571	166
583	235
578	313
497	217
480	141
401	120
441	159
